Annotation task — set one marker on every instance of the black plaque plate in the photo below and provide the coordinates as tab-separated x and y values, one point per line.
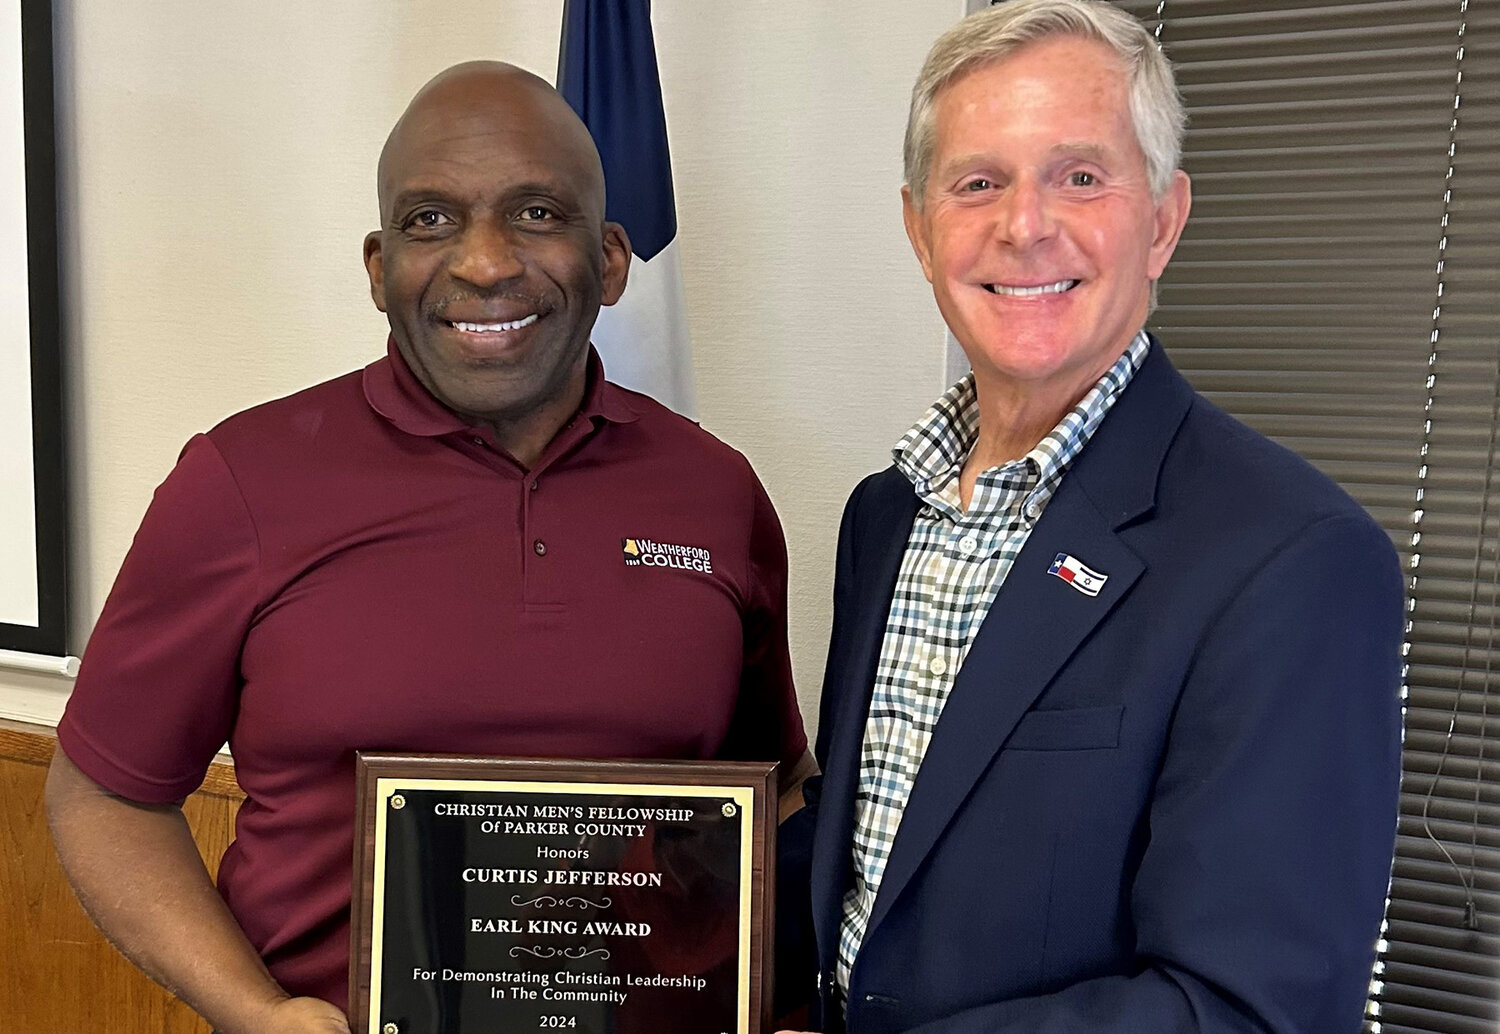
513	896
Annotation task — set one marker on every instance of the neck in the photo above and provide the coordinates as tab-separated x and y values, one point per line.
1014	416
526	437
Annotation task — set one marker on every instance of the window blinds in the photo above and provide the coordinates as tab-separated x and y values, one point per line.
1338	288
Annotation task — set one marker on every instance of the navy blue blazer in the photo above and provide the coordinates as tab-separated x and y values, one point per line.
1166	808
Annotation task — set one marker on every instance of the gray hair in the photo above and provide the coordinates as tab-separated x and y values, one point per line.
989	35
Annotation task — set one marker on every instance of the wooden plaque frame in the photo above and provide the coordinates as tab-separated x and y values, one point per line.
378	776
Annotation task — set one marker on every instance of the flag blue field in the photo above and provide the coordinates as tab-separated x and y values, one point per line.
607	71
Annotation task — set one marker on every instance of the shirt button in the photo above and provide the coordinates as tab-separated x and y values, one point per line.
540	547
535	485
477	440
938	666
968	544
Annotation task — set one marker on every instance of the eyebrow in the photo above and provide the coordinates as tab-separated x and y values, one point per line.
1067	149
414	193
1081	149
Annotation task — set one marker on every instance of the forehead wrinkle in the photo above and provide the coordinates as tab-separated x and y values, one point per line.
436	186
448	177
440	166
469	103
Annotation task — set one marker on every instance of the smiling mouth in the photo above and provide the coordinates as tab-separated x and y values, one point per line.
493	328
1005	291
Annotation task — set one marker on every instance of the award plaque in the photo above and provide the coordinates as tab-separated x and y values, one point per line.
584	897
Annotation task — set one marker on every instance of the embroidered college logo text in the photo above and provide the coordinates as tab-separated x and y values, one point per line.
649	553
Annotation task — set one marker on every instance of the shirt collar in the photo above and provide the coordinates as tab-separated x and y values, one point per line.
394	392
932	453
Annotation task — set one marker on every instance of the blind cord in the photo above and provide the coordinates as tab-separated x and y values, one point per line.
1470	916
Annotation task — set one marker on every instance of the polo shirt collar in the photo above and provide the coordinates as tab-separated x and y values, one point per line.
394	392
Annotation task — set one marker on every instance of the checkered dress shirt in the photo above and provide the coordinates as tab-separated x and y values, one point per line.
955	562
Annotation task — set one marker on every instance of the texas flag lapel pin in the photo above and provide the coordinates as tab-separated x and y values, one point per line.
1072	571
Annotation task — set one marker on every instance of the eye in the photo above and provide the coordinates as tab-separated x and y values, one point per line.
536	213
976	185
426	219
1082	179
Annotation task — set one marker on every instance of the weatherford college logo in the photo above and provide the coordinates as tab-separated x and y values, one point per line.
646	553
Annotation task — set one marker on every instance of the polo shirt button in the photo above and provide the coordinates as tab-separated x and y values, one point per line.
478	440
938	666
540	547
968	544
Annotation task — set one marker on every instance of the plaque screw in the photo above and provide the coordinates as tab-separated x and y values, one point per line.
398	802
390	1028
730	810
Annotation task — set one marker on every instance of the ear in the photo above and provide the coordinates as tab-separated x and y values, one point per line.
375	266
1170	217
616	262
916	231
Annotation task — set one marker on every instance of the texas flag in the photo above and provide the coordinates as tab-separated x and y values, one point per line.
606	70
1072	571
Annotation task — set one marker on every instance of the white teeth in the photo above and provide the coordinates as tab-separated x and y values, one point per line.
1027	292
495	328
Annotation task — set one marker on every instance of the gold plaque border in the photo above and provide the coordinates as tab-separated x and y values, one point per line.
387	786
751	785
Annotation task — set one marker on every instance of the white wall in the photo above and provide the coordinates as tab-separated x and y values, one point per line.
218	178
19	600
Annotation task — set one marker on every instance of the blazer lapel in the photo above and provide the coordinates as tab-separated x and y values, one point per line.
1038	620
1035	623
882	530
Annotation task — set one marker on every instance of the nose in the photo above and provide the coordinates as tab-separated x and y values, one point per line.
487	254
1026	217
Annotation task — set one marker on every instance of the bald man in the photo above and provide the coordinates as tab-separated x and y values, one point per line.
422	556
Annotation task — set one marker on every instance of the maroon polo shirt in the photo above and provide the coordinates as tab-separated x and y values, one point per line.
355	568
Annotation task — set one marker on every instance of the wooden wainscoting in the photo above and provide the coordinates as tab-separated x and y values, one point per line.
57	974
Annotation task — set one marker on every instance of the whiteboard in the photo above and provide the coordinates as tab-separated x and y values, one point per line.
31	469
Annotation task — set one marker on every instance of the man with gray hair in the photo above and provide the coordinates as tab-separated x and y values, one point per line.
1110	717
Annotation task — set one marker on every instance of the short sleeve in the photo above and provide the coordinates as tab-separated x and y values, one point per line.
157	693
767	723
